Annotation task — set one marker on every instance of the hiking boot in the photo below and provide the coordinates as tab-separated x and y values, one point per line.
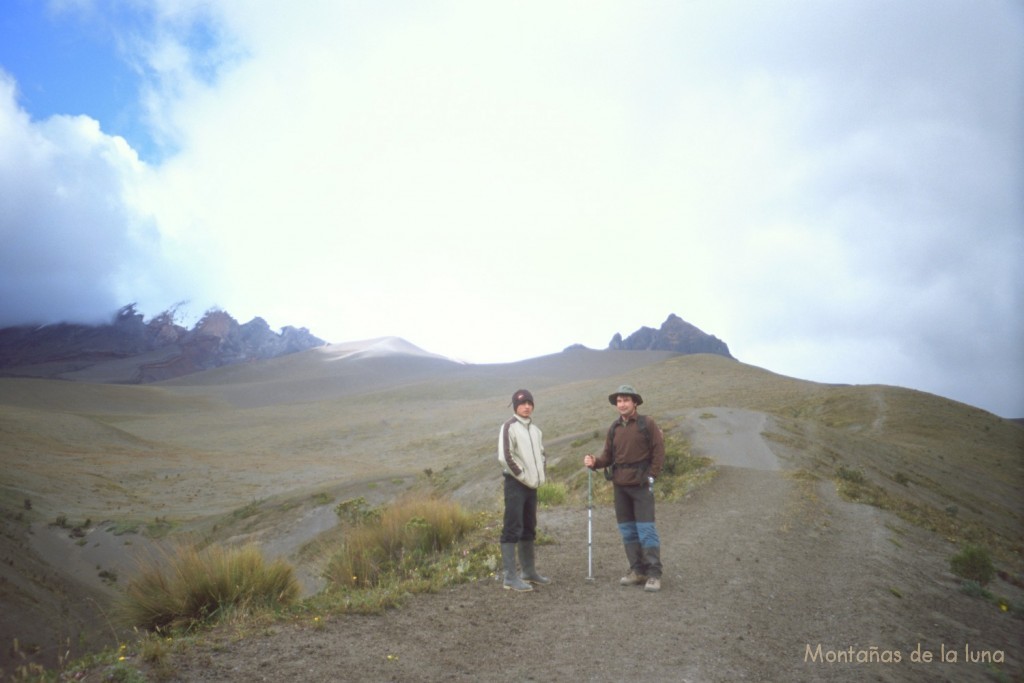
651	560
632	579
653	585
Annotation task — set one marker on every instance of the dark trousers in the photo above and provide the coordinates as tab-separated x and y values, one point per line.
520	512
634	511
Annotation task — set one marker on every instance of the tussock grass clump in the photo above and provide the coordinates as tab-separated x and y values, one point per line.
186	587
398	544
552	493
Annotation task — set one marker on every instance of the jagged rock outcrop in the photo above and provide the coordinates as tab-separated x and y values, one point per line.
163	348
675	335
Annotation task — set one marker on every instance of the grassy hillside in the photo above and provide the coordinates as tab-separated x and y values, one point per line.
243	449
219	440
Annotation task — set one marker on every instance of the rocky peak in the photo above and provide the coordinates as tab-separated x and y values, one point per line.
675	334
162	348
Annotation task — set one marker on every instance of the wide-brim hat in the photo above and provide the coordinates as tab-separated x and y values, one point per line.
625	390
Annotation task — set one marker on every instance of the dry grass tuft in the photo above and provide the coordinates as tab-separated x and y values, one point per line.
400	542
186	587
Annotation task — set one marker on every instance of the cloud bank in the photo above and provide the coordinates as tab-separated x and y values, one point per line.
834	190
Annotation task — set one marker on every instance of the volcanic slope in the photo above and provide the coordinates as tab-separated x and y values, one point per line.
764	562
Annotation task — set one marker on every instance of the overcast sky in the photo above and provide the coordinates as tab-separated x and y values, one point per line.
835	189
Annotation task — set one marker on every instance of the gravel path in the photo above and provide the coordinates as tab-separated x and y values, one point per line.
768	577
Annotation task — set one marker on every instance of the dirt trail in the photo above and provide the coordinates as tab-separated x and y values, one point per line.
762	568
731	436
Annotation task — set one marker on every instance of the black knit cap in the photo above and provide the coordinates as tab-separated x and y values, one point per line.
521	396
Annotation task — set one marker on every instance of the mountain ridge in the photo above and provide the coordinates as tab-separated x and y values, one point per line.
131	350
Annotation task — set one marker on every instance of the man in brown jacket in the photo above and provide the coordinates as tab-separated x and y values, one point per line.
635	450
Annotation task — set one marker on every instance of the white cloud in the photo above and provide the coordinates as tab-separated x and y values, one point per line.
72	243
825	187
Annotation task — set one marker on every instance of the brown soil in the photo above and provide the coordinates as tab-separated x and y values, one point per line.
763	565
762	568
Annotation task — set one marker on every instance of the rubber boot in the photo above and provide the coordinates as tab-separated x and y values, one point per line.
526	562
508	560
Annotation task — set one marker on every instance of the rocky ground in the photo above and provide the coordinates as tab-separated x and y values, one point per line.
769	577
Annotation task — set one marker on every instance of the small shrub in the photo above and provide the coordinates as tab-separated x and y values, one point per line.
355	511
551	493
679	460
901	479
682	471
156	651
974	589
851	475
974	564
122	528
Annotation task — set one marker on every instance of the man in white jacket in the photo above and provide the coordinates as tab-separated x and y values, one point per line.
521	454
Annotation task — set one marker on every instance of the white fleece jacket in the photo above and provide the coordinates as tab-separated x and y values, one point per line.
521	451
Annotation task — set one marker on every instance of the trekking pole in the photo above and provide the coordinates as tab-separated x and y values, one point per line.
590	524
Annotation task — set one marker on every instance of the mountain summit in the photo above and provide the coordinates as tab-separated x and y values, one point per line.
129	350
675	334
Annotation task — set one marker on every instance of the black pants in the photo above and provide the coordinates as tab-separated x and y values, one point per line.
520	512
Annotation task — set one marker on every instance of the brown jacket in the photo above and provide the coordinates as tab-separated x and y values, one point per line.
633	456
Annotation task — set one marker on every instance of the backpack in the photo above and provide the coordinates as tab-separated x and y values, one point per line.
641	423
